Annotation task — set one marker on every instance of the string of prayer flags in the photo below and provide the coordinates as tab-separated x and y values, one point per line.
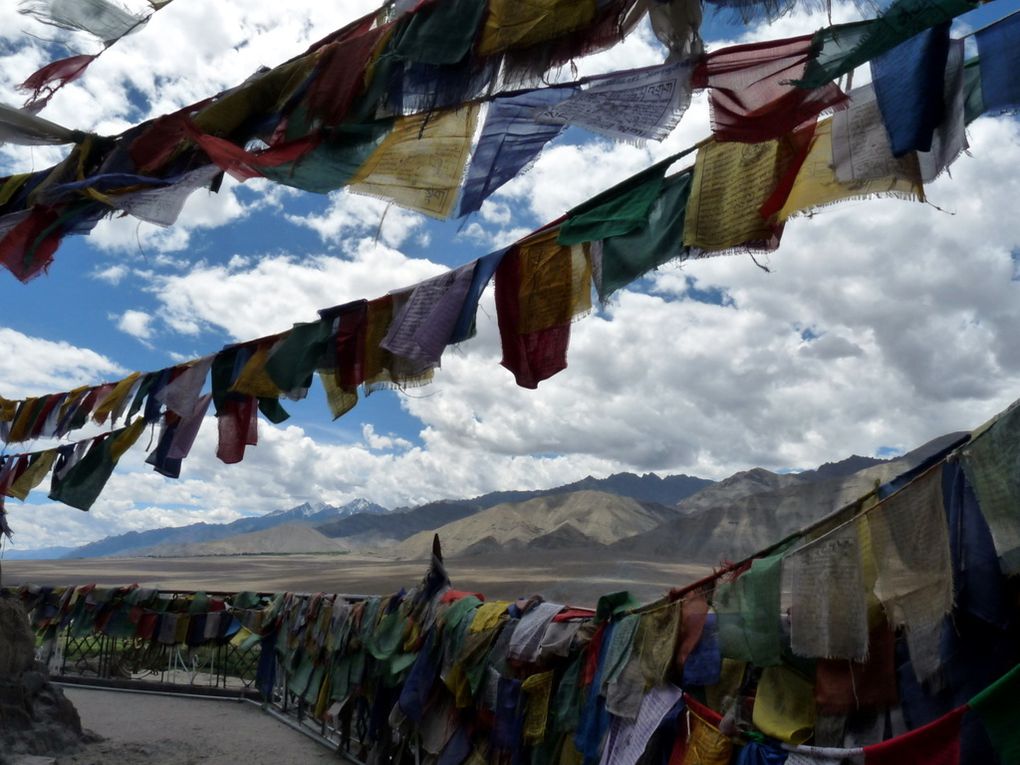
638	104
990	465
909	82
628	256
510	140
751	91
999	55
844	47
419	165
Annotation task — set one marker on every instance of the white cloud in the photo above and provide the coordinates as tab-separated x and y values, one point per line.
352	215
251	298
33	366
136	323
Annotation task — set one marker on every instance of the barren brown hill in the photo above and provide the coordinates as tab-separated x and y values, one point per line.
752	510
576	518
287	539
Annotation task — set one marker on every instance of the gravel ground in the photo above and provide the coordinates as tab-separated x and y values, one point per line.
139	729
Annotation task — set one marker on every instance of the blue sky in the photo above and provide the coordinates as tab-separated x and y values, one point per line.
883	324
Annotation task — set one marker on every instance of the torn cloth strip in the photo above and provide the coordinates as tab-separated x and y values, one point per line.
751	93
989	462
420	164
909	86
423	327
937	743
643	104
510	141
629	256
844	47
999	54
45	82
616	211
828	611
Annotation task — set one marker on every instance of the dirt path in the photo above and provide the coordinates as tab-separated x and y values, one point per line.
144	729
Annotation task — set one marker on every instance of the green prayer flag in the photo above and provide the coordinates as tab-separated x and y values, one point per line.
613	604
748	611
442	33
989	462
617	211
292	363
844	47
998	706
627	257
273	410
973	96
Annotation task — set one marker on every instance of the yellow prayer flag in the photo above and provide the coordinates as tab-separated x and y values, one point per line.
126	439
520	23
419	165
539	690
784	706
33	475
731	182
706	744
555	282
114	398
487	615
253	380
817	186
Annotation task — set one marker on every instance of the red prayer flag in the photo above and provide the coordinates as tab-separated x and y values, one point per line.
937	743
752	96
61	72
531	357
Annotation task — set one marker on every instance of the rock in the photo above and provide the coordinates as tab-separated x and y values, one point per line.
17	645
37	722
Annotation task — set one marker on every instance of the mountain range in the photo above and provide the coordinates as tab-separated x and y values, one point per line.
676	517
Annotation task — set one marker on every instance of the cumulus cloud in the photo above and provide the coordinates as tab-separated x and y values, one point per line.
32	366
135	323
882	324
